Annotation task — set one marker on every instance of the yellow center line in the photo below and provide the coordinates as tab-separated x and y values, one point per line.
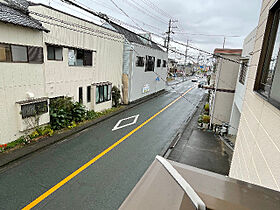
82	168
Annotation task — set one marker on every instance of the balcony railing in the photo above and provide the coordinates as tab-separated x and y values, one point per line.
174	186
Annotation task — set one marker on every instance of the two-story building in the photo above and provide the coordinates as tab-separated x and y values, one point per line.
245	60
82	60
225	75
144	65
46	53
22	81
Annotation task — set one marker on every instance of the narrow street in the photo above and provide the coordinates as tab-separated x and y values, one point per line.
107	182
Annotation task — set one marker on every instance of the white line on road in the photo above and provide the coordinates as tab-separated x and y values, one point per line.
120	121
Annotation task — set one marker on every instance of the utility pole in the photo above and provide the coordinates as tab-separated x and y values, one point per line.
169	32
224	42
186	55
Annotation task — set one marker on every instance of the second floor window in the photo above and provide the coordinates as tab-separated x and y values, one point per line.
54	53
140	61
79	57
21	54
268	75
243	72
164	63
150	63
158	62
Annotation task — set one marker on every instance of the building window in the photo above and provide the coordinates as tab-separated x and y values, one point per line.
19	53
268	75
35	55
158	62
55	53
88	94
29	110
140	61
164	63
5	53
79	57
243	72
103	93
109	92
150	63
81	95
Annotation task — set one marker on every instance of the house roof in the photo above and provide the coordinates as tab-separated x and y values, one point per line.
228	51
133	37
18	15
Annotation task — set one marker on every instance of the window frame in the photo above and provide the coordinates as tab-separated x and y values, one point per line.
269	31
146	63
137	63
158	63
35	61
55	46
84	51
36	109
164	63
10	49
80	95
89	94
243	71
27	52
26	49
109	93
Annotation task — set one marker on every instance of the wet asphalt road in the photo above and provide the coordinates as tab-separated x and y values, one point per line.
106	183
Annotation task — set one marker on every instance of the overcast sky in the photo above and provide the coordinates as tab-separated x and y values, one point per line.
210	17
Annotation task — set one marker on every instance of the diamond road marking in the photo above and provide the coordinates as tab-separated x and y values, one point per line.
120	121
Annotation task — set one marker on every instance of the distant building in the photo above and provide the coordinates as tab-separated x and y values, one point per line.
248	48
222	95
256	158
144	65
22	81
172	65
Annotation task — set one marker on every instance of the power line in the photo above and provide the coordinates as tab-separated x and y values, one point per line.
135	4
157	9
90	33
125	13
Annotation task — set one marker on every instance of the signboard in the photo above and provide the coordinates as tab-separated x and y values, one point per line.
146	88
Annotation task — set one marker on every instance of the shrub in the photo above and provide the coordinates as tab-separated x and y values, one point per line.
91	115
200	119
63	111
206	119
78	112
116	96
206	107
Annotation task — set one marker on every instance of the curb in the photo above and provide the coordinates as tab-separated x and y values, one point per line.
7	158
176	138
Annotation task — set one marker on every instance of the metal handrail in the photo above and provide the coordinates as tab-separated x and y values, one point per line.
196	200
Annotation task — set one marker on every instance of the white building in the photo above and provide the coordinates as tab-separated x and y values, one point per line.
248	48
22	80
82	60
222	95
256	158
144	65
76	58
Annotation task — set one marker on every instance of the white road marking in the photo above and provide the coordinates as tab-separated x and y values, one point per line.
120	121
